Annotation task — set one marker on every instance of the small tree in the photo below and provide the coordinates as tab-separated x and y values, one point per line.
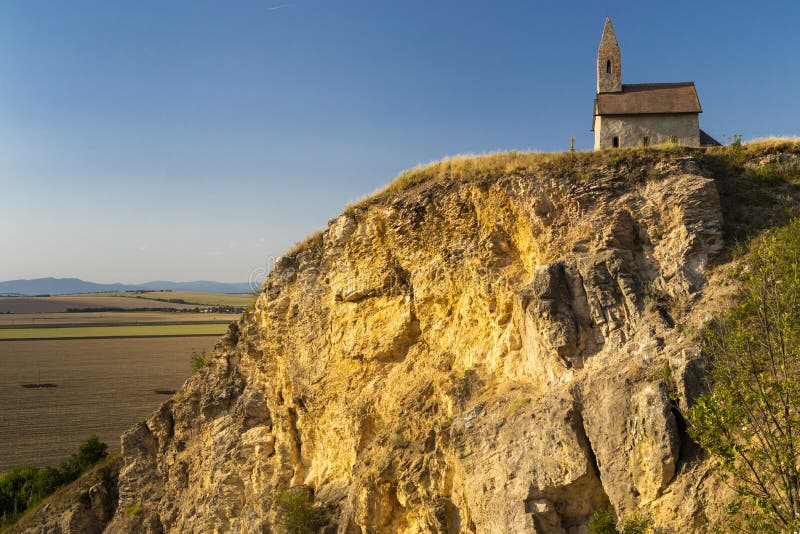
750	420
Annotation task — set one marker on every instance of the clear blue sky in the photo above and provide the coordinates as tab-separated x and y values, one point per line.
190	140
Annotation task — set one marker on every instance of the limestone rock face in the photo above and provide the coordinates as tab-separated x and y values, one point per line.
480	355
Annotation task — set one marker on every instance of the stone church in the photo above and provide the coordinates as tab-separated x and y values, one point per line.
629	115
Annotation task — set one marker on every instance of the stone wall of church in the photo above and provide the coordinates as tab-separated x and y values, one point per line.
639	130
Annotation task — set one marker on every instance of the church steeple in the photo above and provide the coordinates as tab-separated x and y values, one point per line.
609	62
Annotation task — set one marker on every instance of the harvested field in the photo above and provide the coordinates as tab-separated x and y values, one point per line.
69	332
102	386
63	303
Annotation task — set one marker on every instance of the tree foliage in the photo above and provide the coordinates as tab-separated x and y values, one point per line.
750	419
23	486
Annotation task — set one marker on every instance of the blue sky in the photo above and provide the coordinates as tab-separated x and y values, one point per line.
146	140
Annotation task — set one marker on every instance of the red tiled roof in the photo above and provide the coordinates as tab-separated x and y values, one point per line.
645	98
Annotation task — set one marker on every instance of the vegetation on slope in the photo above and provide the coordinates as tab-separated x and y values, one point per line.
23	486
750	421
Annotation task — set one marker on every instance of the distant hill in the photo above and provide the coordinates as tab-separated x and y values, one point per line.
67	286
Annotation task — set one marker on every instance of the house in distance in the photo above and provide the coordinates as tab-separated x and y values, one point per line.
630	115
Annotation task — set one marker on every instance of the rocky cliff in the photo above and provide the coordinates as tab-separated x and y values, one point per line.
494	344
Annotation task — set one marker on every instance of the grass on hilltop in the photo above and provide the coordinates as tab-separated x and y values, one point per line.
579	165
635	164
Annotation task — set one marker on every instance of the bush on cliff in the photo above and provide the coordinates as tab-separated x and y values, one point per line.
295	510
23	486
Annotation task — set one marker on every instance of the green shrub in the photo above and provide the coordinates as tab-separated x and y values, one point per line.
22	486
519	404
199	360
295	510
132	510
735	148
602	522
637	524
774	172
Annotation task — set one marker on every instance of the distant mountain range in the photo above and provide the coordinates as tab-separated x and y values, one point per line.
66	286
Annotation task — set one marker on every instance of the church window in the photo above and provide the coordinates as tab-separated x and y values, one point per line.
645	141
608	66
615	142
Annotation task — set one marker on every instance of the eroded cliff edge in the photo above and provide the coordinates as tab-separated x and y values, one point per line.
498	344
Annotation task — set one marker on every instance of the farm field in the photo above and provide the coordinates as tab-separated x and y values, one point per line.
154	330
103	386
200	299
107	318
62	303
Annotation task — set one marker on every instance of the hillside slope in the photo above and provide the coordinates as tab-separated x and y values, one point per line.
493	344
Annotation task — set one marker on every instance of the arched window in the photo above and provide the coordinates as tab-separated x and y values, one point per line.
608	66
615	142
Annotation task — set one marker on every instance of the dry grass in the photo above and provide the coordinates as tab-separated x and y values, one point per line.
104	387
774	141
578	165
312	242
478	168
760	147
634	164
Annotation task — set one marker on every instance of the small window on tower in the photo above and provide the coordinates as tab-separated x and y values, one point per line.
615	142
608	66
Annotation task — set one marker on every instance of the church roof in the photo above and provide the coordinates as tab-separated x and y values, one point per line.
649	98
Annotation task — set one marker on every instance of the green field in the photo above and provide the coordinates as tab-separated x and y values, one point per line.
79	332
129	318
200	299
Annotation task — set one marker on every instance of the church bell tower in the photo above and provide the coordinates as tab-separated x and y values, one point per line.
609	62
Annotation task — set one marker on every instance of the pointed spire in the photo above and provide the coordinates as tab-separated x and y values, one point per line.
608	32
609	61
